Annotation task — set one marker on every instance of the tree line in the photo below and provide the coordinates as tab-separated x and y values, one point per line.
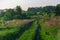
18	13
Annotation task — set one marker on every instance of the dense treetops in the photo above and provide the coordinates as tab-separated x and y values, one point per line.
57	10
18	13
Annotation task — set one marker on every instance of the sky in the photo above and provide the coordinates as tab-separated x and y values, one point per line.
25	4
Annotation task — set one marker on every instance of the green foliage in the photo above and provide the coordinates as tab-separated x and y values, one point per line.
2	13
57	10
48	32
18	12
30	33
9	14
25	15
12	33
48	9
8	34
18	9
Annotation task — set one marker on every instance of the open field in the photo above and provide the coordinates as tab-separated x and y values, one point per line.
50	30
15	31
15	22
30	29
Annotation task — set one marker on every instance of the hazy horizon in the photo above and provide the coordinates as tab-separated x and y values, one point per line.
27	3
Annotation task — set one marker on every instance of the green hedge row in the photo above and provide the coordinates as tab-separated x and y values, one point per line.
30	33
8	34
14	32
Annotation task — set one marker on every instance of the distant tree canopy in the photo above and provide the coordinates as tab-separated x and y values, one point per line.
49	9
9	14
13	14
46	9
33	11
57	10
2	13
19	10
18	13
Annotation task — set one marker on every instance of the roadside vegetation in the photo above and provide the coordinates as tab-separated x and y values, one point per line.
40	23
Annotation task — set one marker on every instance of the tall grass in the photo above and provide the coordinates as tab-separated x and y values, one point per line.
30	33
12	33
48	32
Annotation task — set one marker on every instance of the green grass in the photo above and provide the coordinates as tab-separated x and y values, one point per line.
30	33
48	32
58	35
10	33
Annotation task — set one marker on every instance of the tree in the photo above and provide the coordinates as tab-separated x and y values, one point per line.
2	13
33	11
9	14
18	12
49	9
57	10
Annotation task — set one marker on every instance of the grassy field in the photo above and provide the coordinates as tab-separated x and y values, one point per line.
27	30
30	33
50	30
58	35
14	31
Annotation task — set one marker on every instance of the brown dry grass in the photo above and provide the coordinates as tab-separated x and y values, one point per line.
23	22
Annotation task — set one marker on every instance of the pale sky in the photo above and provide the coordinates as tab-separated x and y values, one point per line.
26	3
